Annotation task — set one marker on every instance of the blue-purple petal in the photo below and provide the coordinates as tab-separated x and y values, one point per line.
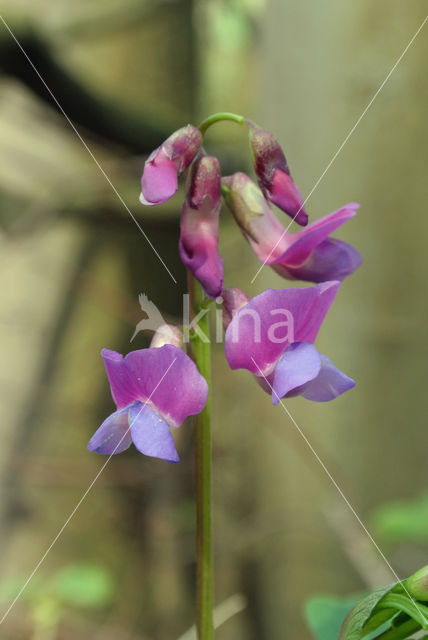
332	259
329	383
113	436
299	364
151	434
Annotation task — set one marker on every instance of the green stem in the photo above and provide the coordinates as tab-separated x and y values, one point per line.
201	352
217	117
399	633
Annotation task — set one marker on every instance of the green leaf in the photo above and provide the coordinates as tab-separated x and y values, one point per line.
83	586
398	521
356	620
324	614
403	603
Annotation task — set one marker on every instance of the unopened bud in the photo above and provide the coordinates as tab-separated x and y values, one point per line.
274	175
417	584
159	181
199	231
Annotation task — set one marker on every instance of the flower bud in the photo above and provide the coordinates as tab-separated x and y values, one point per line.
159	181
199	226
254	216
233	300
167	334
417	584
274	175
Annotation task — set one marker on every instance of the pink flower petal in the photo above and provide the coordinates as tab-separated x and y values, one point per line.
160	179
167	378
261	331
305	241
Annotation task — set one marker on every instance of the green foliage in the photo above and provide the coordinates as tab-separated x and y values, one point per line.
399	521
325	614
395	605
357	619
80	585
83	586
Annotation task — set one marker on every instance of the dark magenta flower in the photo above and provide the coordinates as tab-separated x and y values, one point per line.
273	174
153	389
159	181
199	226
272	336
310	254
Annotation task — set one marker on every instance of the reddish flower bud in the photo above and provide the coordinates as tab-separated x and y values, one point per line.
274	175
199	226
159	181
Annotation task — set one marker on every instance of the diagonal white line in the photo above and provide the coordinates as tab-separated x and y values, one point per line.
397	62
42	559
343	496
86	146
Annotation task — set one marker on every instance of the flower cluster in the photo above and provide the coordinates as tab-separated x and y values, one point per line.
157	388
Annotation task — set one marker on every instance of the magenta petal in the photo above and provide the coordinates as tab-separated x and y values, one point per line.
329	383
164	376
113	436
151	434
122	386
169	380
299	364
307	239
331	260
159	181
285	194
261	331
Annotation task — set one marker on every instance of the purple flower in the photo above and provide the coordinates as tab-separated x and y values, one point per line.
159	181
153	389
272	336
273	174
199	226
308	254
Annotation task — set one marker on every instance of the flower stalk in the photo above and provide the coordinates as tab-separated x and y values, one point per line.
218	117
201	352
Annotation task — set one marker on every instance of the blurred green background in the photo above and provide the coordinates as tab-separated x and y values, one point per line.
73	263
